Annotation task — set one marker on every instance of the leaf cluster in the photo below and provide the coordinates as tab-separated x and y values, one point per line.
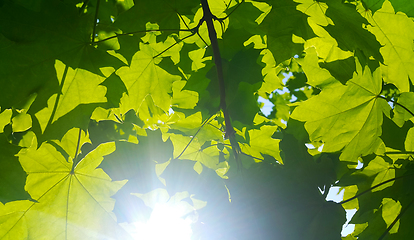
109	107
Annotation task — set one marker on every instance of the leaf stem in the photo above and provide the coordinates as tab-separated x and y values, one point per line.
396	220
75	158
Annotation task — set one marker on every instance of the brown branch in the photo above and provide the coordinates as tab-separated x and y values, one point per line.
230	133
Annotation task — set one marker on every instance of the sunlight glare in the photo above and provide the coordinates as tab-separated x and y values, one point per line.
165	223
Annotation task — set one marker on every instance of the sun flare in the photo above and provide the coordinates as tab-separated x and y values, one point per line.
165	222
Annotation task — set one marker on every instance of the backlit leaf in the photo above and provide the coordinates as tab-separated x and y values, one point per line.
72	204
395	33
347	118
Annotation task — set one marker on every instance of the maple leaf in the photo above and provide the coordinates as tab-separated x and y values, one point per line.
347	118
395	33
142	73
73	204
144	78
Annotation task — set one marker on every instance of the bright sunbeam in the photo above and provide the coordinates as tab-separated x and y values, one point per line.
165	223
170	219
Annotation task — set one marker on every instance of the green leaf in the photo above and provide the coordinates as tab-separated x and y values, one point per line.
261	142
35	40
347	29
395	32
198	167
316	76
209	156
72	204
409	141
326	46
73	139
183	98
21	122
404	109
390	211
5	117
290	22
405	6
347	118
382	169
75	90
78	75
144	78
166	17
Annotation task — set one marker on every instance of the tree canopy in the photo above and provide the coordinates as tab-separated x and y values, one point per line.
109	108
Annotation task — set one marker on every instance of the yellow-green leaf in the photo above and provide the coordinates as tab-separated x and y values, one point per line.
347	118
395	32
72	204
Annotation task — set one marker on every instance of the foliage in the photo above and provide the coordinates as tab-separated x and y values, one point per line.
108	107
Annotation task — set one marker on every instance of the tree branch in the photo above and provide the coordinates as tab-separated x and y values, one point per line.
230	133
